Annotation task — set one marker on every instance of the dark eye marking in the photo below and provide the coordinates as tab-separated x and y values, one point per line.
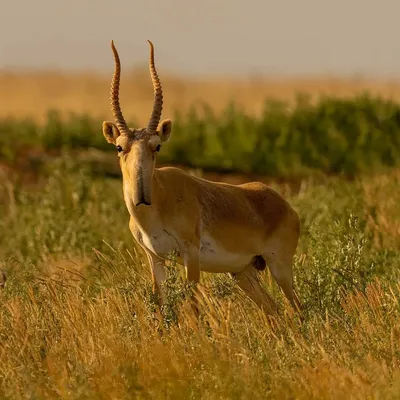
158	147
119	149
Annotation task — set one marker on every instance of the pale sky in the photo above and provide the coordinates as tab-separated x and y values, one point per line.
284	37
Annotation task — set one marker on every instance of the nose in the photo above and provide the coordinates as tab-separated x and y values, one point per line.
143	201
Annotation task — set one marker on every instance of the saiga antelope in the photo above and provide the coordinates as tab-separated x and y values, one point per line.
213	227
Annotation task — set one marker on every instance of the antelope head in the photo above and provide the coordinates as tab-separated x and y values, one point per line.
137	148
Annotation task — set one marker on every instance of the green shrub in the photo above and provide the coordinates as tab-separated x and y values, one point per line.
333	136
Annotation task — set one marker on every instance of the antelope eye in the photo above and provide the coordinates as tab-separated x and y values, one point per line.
158	147
119	149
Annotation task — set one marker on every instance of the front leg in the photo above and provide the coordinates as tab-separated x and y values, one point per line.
192	264
159	276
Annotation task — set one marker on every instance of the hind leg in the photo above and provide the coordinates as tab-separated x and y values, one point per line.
249	281
281	268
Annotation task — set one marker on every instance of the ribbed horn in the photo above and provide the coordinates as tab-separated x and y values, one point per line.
115	108
158	96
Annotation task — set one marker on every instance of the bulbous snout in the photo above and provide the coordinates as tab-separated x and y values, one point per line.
138	174
142	190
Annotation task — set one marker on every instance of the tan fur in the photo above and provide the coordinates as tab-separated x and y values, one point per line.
214	227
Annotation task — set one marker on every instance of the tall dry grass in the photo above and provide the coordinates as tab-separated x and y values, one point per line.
77	316
33	94
67	343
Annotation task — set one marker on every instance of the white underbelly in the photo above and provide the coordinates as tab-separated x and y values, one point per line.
215	258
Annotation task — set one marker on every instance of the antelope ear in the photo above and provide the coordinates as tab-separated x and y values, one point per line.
164	129
110	132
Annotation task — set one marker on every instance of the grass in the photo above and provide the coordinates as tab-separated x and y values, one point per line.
77	316
32	94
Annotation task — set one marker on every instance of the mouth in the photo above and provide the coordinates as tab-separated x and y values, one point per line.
144	202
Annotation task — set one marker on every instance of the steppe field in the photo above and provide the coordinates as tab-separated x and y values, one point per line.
77	316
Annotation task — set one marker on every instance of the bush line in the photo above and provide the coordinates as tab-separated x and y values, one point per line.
331	136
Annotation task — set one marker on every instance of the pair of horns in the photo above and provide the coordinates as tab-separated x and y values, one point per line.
158	96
